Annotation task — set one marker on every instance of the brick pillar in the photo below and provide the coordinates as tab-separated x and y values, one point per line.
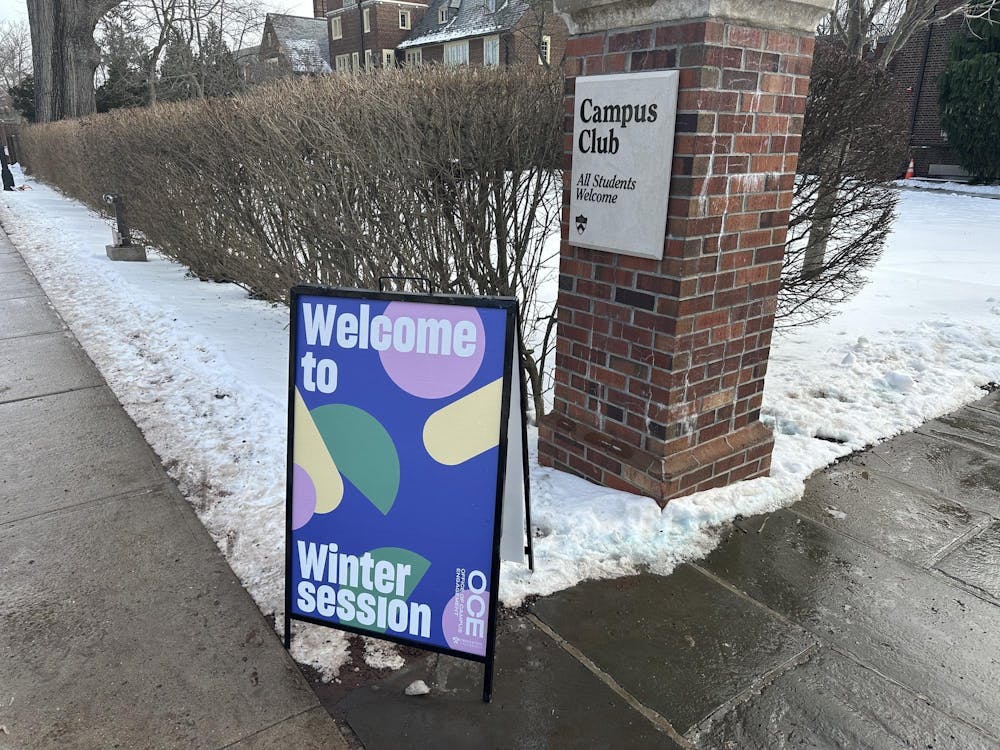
660	363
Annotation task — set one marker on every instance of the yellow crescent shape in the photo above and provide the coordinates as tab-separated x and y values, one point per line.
465	428
311	454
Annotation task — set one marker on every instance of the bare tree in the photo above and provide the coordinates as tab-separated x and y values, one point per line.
533	27
860	25
15	53
158	18
65	55
872	29
195	24
852	142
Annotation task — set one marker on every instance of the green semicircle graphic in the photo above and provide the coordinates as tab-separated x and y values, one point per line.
363	451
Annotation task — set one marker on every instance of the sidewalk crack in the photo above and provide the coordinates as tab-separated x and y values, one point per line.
648	713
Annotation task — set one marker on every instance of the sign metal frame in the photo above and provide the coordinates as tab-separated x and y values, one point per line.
510	306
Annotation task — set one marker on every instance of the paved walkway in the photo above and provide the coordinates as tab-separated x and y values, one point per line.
121	626
865	616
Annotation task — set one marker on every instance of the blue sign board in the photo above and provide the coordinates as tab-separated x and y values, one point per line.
398	418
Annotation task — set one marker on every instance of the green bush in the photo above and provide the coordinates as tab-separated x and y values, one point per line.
970	99
22	97
970	113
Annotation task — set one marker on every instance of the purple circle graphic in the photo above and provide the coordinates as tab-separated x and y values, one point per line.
303	497
464	621
432	351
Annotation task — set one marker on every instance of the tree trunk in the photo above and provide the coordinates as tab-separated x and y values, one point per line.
64	55
855	41
154	60
151	84
819	234
822	215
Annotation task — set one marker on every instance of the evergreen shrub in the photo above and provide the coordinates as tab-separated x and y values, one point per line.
970	100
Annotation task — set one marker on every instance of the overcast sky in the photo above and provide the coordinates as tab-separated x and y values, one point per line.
10	9
13	9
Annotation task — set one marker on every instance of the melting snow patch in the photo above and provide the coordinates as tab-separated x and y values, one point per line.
417	687
899	381
323	649
382	654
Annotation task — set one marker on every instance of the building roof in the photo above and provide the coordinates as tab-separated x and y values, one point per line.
303	42
247	54
466	18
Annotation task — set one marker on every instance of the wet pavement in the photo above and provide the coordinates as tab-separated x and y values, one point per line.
121	625
867	615
544	698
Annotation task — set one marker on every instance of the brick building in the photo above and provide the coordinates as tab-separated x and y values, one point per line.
917	67
365	35
486	32
370	34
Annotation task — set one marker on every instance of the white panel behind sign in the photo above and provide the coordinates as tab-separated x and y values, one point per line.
514	532
623	143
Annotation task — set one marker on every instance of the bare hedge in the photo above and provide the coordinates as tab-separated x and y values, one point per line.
448	173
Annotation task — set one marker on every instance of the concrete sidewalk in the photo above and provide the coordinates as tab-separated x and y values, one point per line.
865	616
121	625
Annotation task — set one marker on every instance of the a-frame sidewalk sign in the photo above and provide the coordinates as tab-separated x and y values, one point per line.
407	466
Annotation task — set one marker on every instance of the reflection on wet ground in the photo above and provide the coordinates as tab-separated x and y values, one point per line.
865	616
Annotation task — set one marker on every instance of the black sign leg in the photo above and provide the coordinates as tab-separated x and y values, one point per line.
526	471
488	680
288	630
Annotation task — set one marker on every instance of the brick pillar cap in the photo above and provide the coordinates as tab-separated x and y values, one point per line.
587	16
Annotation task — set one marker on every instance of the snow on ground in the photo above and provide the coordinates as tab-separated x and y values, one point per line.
945	186
202	370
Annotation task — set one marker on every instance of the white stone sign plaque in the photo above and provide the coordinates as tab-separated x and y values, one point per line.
623	144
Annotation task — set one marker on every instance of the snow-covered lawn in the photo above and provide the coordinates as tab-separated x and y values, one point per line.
945	186
202	370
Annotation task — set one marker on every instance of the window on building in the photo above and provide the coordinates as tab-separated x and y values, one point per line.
269	38
456	53
545	50
368	59
366	19
404	19
388	58
342	63
491	50
355	62
336	31
443	14
414	57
